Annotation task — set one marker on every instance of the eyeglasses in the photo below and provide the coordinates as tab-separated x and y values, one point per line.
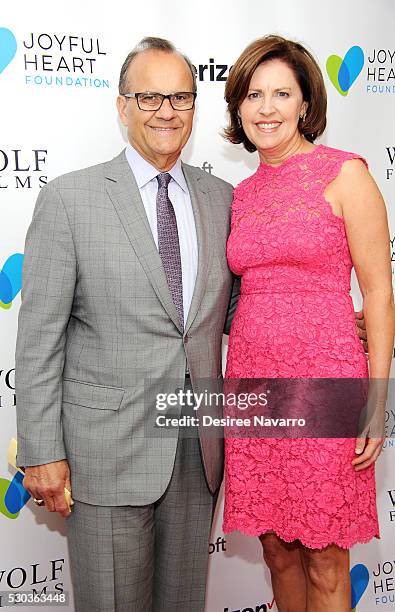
151	101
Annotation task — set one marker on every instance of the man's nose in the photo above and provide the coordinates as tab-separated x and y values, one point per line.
166	111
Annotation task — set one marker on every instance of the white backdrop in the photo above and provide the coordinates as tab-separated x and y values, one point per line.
57	92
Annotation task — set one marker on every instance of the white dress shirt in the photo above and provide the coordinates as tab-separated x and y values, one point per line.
145	175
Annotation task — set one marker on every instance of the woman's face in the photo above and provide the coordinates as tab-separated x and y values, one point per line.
271	110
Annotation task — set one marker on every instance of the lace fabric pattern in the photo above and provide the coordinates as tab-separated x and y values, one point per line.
295	318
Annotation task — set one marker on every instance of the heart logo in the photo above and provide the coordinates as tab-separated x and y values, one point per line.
10	280
7	47
359	581
344	72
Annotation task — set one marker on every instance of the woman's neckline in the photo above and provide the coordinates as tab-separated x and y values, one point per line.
291	158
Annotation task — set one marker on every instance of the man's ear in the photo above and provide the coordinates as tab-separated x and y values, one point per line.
121	106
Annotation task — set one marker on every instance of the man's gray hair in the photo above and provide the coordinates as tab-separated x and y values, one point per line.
158	44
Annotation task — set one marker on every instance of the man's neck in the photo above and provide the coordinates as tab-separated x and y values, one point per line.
163	163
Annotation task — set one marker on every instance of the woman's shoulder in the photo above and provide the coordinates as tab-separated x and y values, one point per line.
244	187
338	156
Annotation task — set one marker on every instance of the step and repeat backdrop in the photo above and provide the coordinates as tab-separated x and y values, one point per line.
59	67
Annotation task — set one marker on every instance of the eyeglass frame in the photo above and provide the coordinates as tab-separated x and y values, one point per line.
136	95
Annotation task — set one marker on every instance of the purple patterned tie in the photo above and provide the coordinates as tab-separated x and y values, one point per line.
169	246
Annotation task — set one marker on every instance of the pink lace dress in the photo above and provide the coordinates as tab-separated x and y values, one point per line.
295	318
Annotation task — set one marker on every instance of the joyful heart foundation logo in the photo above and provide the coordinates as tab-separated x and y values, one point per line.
7	48
10	280
359	581
13	495
344	72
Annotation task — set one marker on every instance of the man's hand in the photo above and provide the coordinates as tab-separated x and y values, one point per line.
361	329
48	482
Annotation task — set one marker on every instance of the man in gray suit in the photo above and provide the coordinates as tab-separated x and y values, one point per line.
125	281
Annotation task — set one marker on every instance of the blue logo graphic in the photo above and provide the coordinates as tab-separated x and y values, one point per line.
359	582
343	72
13	496
7	48
10	280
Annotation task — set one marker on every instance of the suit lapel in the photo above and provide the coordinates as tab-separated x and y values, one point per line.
200	199
123	191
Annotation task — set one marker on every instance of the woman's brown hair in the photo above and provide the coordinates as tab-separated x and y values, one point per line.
307	73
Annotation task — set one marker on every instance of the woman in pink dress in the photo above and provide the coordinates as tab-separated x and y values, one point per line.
299	224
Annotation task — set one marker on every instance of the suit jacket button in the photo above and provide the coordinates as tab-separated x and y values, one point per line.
186	338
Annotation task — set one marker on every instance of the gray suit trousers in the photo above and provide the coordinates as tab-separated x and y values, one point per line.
145	558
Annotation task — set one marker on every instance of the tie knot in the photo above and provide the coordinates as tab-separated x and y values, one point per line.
164	179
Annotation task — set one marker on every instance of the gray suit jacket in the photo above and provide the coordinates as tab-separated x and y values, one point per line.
98	326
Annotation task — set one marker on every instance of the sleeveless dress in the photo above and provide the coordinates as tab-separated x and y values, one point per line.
295	318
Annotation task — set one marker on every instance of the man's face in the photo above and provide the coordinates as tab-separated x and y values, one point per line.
158	136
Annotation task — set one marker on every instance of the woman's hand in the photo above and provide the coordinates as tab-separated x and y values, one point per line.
367	449
371	425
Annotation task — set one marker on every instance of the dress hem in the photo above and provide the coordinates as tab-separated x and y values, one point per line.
308	544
